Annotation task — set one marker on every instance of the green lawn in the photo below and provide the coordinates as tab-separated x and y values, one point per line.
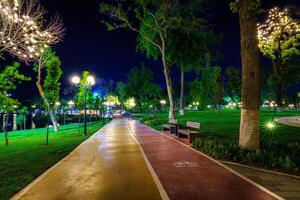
226	124
27	156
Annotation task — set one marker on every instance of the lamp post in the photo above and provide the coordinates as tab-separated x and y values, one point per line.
163	102
90	81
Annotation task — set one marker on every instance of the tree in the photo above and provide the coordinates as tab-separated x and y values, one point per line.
23	32
279	39
140	86
187	45
21	117
121	91
9	76
249	126
49	88
84	87
234	83
52	85
152	21
210	88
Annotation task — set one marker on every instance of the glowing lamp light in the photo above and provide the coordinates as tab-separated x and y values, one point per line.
132	103
57	103
270	125
90	80
75	80
71	103
163	102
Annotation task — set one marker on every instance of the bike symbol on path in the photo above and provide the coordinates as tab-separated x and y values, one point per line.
185	164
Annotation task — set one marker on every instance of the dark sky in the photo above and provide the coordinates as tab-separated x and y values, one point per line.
87	44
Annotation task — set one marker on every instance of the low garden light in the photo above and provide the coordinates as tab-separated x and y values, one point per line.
270	125
57	104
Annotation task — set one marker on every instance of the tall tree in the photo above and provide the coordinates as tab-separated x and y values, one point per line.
9	77
187	45
234	83
249	126
84	87
279	39
152	21
121	91
51	85
23	29
48	62
140	85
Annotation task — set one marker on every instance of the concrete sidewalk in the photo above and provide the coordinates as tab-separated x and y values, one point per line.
127	160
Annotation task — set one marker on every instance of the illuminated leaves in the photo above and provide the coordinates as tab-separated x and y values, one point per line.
279	35
22	30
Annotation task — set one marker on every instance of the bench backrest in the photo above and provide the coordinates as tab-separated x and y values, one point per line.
172	121
195	125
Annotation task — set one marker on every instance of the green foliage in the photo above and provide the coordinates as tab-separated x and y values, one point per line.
279	36
121	91
79	100
210	88
271	154
234	82
21	116
52	79
140	86
9	76
255	6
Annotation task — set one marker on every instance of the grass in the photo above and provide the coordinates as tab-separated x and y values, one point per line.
280	147
27	156
225	124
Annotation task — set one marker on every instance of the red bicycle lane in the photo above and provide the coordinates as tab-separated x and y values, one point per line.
187	174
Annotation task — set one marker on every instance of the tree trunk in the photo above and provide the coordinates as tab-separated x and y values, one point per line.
53	119
169	87
5	129
279	85
181	106
42	94
249	126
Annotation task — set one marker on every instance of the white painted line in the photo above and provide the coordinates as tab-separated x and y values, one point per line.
219	163
260	169
159	186
39	178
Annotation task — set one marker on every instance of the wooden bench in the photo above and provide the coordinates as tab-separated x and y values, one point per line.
191	130
172	126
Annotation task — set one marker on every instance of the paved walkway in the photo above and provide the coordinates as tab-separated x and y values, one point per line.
287	186
107	166
128	160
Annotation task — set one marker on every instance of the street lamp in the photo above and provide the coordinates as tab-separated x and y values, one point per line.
90	81
163	102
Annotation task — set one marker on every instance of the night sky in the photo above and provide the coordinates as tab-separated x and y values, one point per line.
87	44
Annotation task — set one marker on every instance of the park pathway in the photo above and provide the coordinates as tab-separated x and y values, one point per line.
107	166
127	160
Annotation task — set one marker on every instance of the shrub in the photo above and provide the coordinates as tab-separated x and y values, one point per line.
40	121
272	154
155	122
